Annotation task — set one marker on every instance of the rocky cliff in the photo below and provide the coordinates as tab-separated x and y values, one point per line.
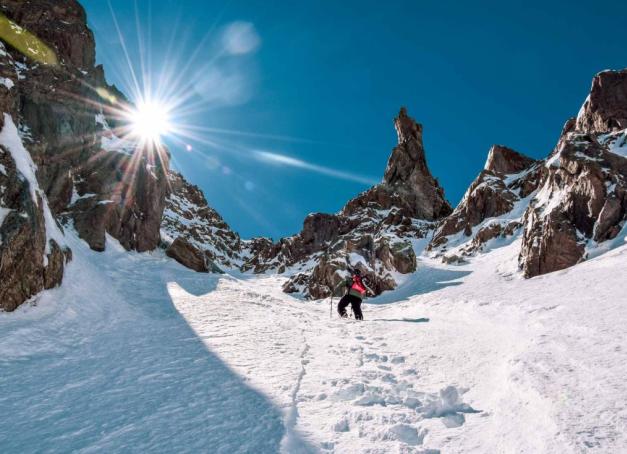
491	208
582	200
58	163
195	234
565	208
66	161
408	185
375	232
66	164
562	209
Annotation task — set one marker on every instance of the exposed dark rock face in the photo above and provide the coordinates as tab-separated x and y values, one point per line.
378	250
187	255
319	231
407	183
505	161
62	112
66	120
576	197
582	201
188	217
485	212
128	201
583	198
30	259
61	24
26	266
605	109
374	231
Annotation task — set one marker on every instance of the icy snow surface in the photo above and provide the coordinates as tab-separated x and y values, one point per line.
134	353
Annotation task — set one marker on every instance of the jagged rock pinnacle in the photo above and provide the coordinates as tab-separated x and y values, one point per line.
406	128
408	157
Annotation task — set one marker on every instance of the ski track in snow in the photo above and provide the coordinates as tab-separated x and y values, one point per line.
134	353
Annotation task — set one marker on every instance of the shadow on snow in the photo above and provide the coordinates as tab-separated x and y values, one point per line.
110	365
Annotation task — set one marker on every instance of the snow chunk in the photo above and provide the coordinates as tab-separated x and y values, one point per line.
548	199
7	82
406	434
448	405
582	109
20	69
554	161
4	212
341	426
355	259
350	392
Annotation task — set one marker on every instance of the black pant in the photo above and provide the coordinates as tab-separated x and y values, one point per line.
355	303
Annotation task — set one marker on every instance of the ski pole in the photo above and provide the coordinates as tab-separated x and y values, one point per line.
331	309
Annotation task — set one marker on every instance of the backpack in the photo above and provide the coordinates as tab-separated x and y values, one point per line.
358	285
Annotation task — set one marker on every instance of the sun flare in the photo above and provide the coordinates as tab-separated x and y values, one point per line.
150	121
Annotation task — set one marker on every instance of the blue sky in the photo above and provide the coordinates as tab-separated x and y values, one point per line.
292	102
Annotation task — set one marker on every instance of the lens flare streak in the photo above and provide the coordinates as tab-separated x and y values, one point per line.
279	159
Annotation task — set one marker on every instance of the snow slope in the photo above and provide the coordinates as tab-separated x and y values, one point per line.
106	364
134	353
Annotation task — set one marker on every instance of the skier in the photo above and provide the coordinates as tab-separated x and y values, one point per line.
355	289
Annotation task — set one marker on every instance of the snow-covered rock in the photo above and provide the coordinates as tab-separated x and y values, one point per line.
492	207
379	231
32	246
50	94
566	208
189	220
89	176
581	203
581	206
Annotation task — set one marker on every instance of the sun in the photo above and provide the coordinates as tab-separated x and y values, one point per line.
150	121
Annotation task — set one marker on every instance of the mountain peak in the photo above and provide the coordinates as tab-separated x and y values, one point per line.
407	182
504	160
406	127
408	157
605	108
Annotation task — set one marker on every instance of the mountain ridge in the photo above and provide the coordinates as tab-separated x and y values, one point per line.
65	165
